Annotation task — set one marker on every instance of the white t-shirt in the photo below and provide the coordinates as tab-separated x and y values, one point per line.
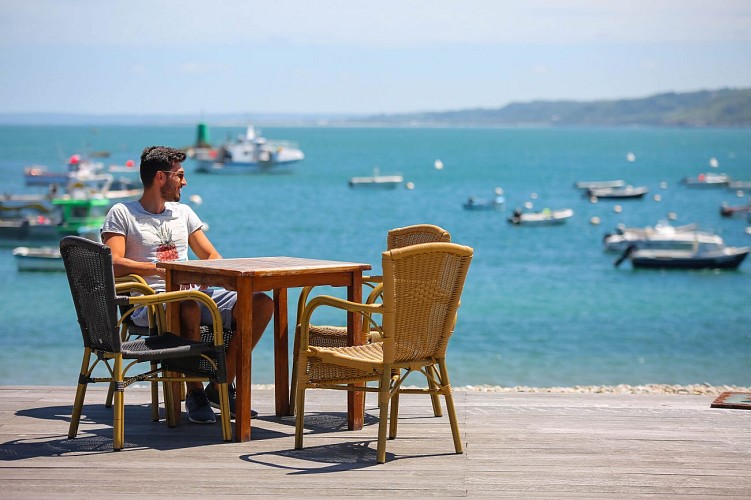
153	237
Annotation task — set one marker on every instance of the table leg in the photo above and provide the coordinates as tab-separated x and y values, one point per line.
243	363
281	352
173	325
355	399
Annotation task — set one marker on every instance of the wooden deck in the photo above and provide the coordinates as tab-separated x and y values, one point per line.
535	445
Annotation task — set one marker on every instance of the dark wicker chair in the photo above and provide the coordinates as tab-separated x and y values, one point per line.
88	265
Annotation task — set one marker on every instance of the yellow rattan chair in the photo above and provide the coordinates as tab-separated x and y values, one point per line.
88	265
336	336
422	286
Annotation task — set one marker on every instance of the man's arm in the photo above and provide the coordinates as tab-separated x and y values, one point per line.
201	245
123	266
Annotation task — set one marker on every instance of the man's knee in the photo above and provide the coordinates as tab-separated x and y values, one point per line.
263	305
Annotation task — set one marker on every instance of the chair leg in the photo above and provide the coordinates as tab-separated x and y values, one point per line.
383	406
450	407
169	403
75	417
394	415
154	397
434	397
225	417
300	415
110	395
118	426
293	387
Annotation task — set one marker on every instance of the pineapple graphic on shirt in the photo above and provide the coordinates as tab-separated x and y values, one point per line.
167	250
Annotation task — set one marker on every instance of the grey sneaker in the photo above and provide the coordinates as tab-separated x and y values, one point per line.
198	408
212	393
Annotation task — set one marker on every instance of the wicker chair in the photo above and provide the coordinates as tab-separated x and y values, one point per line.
88	265
421	287
336	336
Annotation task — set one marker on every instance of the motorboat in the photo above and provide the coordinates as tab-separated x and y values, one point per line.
494	203
79	169
707	180
620	193
248	153
721	257
586	185
661	236
38	259
546	217
73	216
730	211
377	181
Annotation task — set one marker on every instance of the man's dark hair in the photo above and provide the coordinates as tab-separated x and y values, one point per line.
156	158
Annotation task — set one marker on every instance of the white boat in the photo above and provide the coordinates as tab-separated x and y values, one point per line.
38	259
600	184
546	217
494	203
721	257
79	169
626	192
661	236
376	181
248	153
707	180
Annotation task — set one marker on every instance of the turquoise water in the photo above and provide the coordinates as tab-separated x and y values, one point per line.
541	307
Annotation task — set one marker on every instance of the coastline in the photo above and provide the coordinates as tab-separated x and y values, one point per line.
704	389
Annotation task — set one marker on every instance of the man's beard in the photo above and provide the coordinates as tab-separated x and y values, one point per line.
169	193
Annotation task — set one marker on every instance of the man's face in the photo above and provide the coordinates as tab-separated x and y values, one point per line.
174	182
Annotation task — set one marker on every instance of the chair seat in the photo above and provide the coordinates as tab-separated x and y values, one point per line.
366	358
165	346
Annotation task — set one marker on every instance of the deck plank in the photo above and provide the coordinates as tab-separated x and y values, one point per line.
516	445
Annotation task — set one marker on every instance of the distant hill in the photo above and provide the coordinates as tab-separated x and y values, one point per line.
717	108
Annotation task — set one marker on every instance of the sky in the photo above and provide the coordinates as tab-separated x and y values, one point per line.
152	57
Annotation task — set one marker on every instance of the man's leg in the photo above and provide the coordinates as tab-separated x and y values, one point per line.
190	328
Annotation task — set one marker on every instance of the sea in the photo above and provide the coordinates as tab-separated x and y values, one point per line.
542	306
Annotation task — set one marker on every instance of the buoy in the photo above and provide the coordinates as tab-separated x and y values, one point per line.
410	185
663	185
617	209
528	205
130	163
593	199
713	162
657	197
672	215
594	220
533	196
631	157
196	199
438	164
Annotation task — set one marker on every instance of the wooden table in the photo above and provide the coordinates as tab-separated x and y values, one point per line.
257	274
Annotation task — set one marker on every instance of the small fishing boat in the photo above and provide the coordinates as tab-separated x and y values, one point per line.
699	258
494	203
546	217
662	236
38	259
377	181
728	211
619	193
248	153
586	185
79	169
707	180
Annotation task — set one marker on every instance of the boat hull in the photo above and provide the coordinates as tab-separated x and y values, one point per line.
729	258
46	259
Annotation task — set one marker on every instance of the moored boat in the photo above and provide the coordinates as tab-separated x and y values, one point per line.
248	153
620	193
494	203
721	257
38	259
376	181
661	236
546	217
78	169
707	180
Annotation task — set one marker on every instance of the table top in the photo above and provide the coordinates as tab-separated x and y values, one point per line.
264	266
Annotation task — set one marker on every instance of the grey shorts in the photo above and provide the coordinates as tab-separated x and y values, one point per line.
225	301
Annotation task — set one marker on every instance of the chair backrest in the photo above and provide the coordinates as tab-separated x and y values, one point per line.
422	286
88	265
401	237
